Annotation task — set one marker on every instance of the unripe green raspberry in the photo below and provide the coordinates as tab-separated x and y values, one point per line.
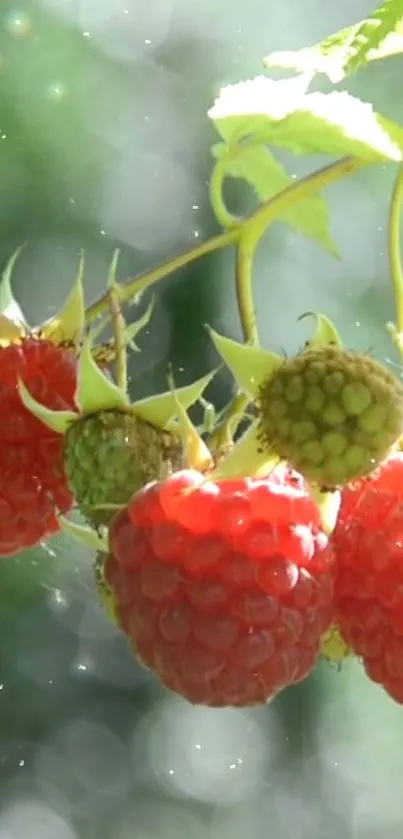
111	455
333	414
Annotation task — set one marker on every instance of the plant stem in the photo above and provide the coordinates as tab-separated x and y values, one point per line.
144	281
251	231
244	289
225	218
395	262
256	224
119	326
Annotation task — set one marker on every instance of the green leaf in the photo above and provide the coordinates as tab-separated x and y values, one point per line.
325	332
280	113
378	36
372	32
256	165
248	364
161	409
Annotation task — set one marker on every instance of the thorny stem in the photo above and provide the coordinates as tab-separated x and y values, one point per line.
395	262
142	282
119	325
255	224
247	235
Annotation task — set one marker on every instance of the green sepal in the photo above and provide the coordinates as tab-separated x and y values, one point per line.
197	453
83	534
8	304
162	409
67	326
325	332
94	391
246	459
250	365
111	282
133	329
329	507
58	421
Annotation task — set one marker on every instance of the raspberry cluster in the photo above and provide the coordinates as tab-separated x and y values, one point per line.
225	588
228	589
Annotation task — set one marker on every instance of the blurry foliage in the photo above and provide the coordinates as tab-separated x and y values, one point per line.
49	154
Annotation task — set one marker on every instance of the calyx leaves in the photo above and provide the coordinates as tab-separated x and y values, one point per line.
95	392
325	333
250	366
66	326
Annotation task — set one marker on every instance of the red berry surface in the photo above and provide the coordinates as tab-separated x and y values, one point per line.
224	589
32	481
368	543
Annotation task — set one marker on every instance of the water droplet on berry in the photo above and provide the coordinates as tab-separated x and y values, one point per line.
234	515
279	576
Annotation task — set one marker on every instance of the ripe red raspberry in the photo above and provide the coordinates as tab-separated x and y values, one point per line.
224	588
368	543
32	481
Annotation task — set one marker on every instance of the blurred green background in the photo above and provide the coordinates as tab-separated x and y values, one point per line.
104	143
